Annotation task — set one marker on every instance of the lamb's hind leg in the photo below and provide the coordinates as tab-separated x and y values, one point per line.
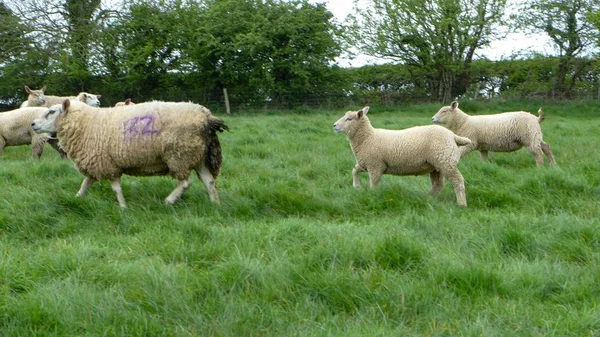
437	182
537	152
210	183
116	187
548	153
458	182
182	185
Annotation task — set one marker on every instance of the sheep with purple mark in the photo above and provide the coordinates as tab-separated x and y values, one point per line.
147	139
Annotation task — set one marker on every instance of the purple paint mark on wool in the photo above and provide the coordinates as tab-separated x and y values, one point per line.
139	126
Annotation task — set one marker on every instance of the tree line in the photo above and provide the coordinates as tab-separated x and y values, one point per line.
281	54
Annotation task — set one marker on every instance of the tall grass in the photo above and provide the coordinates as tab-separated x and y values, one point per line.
294	250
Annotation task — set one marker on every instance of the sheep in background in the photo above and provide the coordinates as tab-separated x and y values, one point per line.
154	138
15	130
38	98
503	132
126	102
414	151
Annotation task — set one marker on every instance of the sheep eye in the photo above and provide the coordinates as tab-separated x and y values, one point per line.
348	118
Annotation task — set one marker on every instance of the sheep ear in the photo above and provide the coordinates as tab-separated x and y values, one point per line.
27	90
454	105
128	101
66	104
43	88
362	112
98	96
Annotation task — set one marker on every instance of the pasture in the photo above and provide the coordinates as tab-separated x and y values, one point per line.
294	250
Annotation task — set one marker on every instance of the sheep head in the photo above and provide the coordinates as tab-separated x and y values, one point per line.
36	97
46	122
350	120
445	114
89	99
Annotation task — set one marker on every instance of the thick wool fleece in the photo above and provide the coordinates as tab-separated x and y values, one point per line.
15	130
155	138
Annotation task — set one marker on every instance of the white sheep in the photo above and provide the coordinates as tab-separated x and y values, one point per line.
154	138
503	132
15	130
38	98
414	151
126	102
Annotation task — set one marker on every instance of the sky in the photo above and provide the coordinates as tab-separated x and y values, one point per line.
511	44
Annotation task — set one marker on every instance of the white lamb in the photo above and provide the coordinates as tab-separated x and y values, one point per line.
503	132
414	151
15	130
38	98
154	138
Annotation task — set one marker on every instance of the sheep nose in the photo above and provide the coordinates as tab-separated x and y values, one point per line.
32	123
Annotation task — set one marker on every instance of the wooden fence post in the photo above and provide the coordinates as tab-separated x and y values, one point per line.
227	110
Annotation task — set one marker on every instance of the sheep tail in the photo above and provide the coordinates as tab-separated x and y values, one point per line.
213	157
461	140
541	115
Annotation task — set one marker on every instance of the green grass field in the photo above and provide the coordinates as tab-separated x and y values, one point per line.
294	250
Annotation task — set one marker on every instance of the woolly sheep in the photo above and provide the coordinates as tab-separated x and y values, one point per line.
38	98
503	132
15	129
126	102
154	138
414	151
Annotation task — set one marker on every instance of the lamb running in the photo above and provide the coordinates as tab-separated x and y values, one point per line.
503	132
39	98
154	138
15	130
414	151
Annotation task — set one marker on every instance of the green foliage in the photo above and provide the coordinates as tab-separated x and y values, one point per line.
294	250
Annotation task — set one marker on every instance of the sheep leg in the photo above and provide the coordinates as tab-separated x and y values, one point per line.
548	152
459	186
2	145
484	155
116	187
85	185
37	146
355	177
209	181
437	182
374	177
182	185
537	152
54	144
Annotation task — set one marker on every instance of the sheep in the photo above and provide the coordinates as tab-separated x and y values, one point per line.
15	129
503	132
414	151
38	98
153	138
126	102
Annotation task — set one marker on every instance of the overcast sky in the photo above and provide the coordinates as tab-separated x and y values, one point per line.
512	44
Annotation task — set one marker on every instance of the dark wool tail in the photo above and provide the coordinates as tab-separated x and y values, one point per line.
213	157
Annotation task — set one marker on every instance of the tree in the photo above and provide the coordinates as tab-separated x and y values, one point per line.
568	26
437	39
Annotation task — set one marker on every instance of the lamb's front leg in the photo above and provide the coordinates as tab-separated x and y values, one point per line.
85	185
355	178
